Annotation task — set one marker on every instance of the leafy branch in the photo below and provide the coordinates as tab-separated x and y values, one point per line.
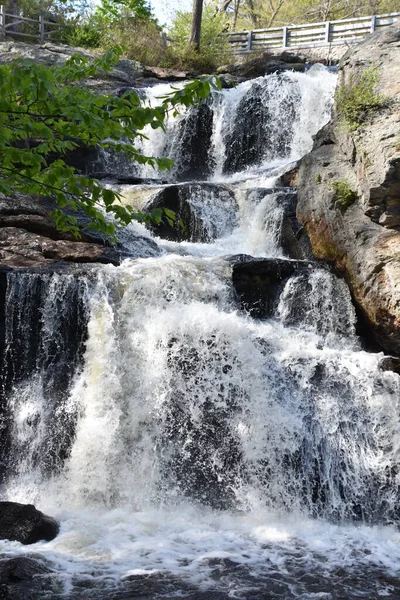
47	112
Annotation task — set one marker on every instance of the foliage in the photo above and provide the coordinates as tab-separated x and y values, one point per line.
46	113
113	10
358	99
344	196
140	39
214	47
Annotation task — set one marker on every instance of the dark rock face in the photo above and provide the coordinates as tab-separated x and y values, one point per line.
390	363
192	143
256	131
190	202
259	282
23	523
24	578
362	241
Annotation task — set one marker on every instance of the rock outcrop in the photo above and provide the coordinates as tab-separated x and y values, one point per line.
24	523
125	72
29	238
361	235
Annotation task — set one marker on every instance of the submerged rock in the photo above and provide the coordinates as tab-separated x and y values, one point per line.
24	523
24	578
361	237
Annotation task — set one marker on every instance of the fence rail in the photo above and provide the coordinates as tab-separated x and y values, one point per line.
37	29
310	35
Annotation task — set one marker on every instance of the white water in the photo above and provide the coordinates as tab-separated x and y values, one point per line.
204	436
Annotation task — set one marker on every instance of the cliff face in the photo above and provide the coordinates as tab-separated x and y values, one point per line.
363	238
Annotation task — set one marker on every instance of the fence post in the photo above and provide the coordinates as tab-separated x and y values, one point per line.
327	32
373	23
285	37
250	41
41	28
2	22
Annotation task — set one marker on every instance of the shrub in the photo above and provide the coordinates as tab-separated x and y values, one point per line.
214	47
344	196
358	99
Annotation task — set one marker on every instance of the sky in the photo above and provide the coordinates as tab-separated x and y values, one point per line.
164	9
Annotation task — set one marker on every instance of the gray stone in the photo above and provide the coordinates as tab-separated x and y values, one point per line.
125	71
362	241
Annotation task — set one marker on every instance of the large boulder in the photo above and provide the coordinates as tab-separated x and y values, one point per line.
24	523
357	225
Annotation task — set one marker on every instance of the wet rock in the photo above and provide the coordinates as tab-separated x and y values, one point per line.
390	363
192	144
203	212
258	282
24	578
257	132
362	241
290	178
24	523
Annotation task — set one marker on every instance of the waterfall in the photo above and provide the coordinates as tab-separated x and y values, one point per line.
190	447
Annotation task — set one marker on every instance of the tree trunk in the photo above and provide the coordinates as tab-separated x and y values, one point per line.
194	39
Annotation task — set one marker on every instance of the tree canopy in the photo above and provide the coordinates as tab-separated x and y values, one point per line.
46	113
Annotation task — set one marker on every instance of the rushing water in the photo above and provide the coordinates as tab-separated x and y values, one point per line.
189	450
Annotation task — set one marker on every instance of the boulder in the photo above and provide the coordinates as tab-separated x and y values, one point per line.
203	212
258	282
24	523
361	237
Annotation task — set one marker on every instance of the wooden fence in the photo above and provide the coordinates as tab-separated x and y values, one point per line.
346	31
34	29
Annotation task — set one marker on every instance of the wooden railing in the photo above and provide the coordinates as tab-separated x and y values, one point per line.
34	29
346	31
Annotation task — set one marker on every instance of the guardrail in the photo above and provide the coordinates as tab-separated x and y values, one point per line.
310	35
37	29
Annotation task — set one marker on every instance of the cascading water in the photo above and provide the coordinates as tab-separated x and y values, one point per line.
190	450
